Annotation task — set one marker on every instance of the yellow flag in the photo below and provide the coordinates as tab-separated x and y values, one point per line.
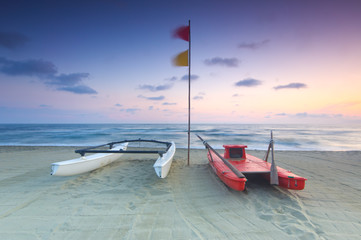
181	59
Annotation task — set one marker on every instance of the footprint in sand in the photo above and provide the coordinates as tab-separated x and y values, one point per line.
285	212
131	206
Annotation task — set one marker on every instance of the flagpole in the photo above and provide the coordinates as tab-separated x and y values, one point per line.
189	89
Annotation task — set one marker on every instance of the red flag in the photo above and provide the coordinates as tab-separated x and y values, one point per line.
182	33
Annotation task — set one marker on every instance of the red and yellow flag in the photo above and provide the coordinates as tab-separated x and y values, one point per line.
181	59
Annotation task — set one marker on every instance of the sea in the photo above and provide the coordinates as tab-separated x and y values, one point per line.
291	137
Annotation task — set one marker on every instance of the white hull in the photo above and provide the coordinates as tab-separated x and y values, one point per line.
86	164
163	164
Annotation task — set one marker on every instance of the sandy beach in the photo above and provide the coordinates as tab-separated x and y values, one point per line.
126	200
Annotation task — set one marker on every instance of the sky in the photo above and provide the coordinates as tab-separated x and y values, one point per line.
110	61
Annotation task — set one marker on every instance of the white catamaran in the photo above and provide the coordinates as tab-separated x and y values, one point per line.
103	157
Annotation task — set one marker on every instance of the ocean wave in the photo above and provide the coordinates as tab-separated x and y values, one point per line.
286	137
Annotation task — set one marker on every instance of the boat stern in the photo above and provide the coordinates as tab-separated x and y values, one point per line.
164	162
289	180
54	168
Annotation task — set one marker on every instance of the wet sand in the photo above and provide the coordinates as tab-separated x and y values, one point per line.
126	200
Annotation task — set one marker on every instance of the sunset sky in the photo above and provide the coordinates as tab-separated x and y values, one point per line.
110	61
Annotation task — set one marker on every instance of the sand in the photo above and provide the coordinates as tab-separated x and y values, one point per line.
126	200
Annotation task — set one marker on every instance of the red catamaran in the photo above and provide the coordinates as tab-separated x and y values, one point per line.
231	167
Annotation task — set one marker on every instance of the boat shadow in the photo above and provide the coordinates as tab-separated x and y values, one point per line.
256	181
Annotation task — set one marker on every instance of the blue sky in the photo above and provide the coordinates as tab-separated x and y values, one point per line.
111	61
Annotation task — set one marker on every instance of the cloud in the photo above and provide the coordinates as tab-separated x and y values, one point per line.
67	79
304	114
184	78
154	88
118	105
47	73
228	62
130	110
254	45
79	89
172	79
168	104
309	115
160	98
38	68
198	98
291	85
156	98
249	82
12	40
193	77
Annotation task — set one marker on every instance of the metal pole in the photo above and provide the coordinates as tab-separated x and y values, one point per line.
273	170
189	90
269	147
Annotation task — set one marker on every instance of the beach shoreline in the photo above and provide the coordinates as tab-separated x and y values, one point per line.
126	200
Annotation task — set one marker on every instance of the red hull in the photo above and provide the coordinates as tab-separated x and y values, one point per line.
228	177
295	183
246	163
